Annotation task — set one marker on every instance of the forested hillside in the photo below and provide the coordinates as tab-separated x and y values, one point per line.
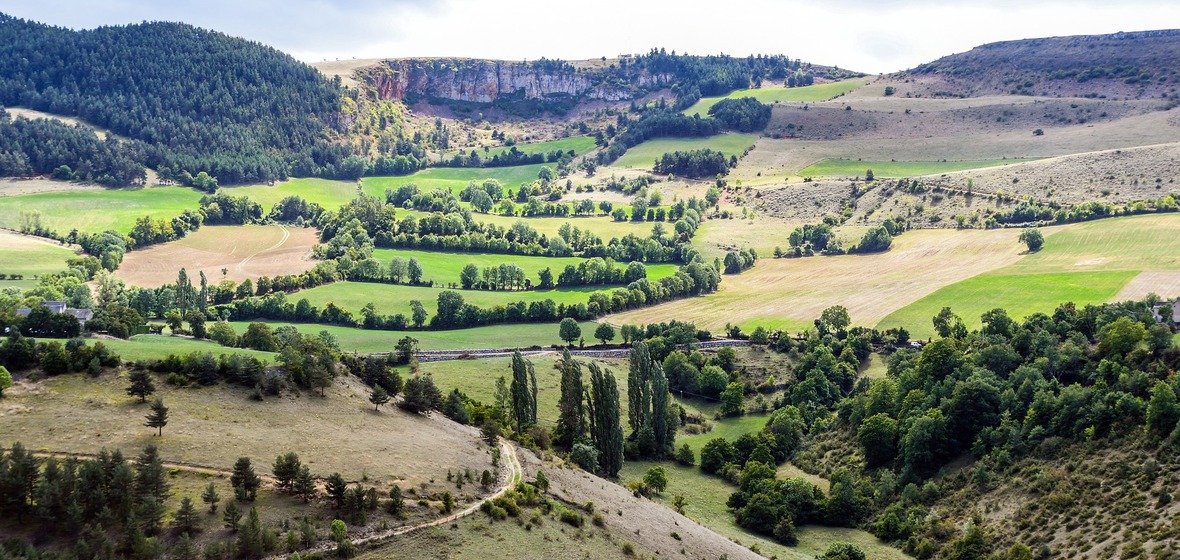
195	100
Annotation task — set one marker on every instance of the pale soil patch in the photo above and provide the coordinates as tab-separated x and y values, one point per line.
33	114
643	522
215	425
16	186
1164	283
344	68
247	251
792	292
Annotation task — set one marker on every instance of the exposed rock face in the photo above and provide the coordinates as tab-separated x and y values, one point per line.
487	81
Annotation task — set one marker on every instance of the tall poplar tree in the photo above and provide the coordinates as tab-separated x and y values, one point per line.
571	412
605	428
639	387
523	392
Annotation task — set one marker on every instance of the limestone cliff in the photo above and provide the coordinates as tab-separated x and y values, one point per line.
489	81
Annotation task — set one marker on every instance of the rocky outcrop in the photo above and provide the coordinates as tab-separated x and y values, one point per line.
489	81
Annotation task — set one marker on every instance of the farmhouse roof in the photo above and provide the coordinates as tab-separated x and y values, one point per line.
82	315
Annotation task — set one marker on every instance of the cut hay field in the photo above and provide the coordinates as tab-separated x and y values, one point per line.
31	257
216	425
246	251
602	226
791	293
1089	263
856	168
645	154
95	211
496	336
816	92
395	298
444	268
1092	262
706	497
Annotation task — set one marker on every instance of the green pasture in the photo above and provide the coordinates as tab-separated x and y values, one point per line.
706	496
602	226
444	268
728	428
494	336
855	168
579	144
155	347
395	298
645	154
95	211
1020	294
812	93
1135	243
325	192
455	178
30	257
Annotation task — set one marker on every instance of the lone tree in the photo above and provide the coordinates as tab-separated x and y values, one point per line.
568	330
158	417
378	397
5	380
604	333
141	385
244	480
1033	239
210	496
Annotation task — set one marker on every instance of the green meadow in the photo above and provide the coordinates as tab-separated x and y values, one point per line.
1135	243
645	154
455	178
807	94
95	211
30	257
1020	294
395	298
494	336
154	346
729	428
848	167
325	192
444	268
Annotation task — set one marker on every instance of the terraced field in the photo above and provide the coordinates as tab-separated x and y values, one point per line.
644	155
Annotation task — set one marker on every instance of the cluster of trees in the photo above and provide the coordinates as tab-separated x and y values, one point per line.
20	352
705	162
67	153
600	271
261	118
810	239
738	261
506	158
744	114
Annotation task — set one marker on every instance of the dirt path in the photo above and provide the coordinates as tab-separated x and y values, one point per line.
286	235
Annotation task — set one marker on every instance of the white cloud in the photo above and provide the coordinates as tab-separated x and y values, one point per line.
868	35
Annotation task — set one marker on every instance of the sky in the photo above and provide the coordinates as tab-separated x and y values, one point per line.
873	36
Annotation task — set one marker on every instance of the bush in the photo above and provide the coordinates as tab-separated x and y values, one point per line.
572	517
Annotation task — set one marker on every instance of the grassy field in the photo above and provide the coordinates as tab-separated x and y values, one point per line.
95	211
645	154
855	168
1020	294
817	92
216	425
325	192
455	178
728	428
706	496
579	144
30	256
445	267
602	226
395	298
494	336
152	346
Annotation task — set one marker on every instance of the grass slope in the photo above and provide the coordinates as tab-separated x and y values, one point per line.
30	256
454	178
95	211
154	347
817	92
645	154
325	192
495	336
856	168
445	267
706	497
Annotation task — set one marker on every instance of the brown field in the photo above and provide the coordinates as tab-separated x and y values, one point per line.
790	293
246	251
213	426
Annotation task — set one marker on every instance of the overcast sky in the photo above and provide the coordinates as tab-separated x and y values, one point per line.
867	35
